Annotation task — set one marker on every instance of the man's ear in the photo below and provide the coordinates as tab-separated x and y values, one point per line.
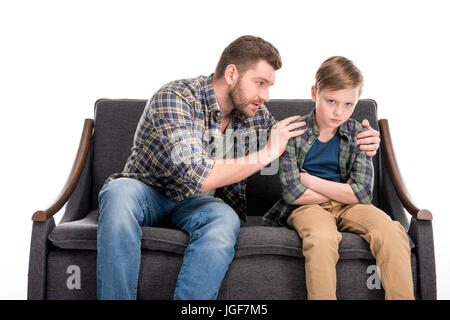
231	74
313	93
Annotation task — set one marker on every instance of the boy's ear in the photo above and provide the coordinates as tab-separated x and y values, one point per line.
313	93
231	74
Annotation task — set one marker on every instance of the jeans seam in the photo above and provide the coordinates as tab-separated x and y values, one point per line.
100	265
188	250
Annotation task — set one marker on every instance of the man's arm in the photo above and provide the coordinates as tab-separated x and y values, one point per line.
229	171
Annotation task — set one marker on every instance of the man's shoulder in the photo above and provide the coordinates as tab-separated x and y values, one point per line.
187	87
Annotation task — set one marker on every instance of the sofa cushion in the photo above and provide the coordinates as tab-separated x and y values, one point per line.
253	239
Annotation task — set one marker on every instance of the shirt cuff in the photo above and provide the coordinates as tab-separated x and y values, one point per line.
361	192
200	172
293	192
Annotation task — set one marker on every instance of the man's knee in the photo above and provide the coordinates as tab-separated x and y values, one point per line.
121	199
226	218
221	224
122	188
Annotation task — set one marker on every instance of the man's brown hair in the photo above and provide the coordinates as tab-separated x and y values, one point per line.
338	73
245	51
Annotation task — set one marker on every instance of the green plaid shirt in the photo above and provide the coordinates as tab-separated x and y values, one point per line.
352	162
174	144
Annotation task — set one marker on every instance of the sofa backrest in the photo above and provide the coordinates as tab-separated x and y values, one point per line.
116	121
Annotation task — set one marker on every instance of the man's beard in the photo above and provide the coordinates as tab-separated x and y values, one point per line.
239	101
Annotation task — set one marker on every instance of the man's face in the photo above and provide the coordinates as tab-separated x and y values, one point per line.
252	88
333	108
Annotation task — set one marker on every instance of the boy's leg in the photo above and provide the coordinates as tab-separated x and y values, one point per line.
316	225
213	227
125	205
389	245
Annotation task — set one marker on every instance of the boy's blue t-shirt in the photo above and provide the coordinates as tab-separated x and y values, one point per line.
322	159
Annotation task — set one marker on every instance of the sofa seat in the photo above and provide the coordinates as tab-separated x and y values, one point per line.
254	239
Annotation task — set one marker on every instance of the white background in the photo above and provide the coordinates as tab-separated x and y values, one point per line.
58	57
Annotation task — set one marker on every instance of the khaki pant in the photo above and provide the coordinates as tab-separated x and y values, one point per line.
319	227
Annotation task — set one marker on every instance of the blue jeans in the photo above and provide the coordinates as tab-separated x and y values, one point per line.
127	204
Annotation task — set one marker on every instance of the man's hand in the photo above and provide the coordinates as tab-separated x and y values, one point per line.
280	134
368	140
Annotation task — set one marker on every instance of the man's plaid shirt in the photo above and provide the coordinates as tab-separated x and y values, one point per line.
352	162
173	148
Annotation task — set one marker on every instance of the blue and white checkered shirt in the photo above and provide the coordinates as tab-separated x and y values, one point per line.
173	148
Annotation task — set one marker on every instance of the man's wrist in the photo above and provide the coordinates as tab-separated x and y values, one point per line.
265	156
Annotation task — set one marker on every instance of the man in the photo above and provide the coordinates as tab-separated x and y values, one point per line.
172	174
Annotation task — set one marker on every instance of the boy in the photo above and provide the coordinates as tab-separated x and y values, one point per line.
328	182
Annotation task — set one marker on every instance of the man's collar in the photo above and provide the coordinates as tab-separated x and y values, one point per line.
210	95
213	105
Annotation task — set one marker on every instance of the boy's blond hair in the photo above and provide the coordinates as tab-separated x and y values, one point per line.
338	73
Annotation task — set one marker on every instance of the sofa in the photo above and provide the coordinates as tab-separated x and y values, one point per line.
268	262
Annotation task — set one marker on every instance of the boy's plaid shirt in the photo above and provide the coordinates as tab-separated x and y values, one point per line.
352	162
173	148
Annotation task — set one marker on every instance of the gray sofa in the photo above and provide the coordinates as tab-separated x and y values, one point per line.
268	263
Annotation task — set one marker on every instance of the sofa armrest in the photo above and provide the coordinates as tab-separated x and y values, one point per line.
74	176
37	264
394	172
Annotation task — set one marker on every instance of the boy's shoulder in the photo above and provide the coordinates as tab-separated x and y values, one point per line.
352	127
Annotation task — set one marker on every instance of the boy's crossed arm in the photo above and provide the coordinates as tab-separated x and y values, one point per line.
357	188
324	190
301	188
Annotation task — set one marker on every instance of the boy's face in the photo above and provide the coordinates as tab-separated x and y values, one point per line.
333	108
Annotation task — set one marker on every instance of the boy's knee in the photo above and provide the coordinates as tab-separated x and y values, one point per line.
390	235
323	240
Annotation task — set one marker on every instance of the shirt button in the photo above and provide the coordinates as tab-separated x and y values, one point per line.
309	142
310	131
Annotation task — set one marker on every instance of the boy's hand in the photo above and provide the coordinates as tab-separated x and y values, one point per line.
368	140
280	134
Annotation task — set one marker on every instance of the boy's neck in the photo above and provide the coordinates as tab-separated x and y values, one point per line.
326	132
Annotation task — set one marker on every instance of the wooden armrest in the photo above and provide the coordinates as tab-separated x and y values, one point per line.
394	171
74	176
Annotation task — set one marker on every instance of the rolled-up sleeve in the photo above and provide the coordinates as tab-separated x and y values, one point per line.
180	140
291	187
362	177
